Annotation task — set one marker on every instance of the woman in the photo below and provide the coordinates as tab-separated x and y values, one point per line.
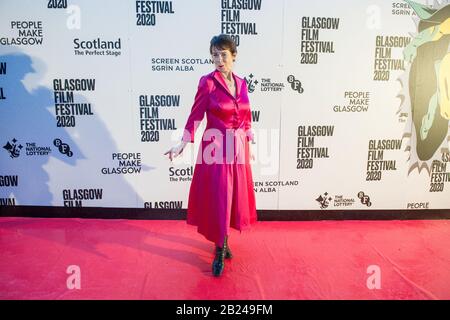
221	193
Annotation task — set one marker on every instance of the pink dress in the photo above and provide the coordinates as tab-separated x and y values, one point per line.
221	193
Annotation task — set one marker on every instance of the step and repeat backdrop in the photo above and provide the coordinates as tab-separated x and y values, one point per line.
350	100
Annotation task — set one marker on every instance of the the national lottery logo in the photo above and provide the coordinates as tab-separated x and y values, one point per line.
324	200
13	148
365	199
252	82
31	149
64	148
266	84
296	85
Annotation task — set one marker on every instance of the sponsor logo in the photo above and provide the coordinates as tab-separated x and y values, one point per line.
64	148
365	199
28	33
13	148
324	200
296	85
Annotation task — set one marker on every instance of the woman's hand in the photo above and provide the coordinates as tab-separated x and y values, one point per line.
176	150
252	154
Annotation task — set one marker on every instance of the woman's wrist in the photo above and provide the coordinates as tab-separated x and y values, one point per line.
182	144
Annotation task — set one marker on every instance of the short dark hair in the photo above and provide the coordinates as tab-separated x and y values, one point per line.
223	42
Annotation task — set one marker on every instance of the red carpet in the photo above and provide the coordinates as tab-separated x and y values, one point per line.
132	259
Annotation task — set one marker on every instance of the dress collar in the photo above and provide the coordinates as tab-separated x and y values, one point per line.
218	76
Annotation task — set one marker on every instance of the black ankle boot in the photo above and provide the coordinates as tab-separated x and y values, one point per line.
228	254
219	263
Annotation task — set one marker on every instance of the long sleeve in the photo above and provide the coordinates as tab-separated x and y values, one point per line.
197	112
248	120
248	126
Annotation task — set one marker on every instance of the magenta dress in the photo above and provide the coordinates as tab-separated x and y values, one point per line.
221	193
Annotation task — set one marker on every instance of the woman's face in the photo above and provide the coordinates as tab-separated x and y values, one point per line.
223	59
